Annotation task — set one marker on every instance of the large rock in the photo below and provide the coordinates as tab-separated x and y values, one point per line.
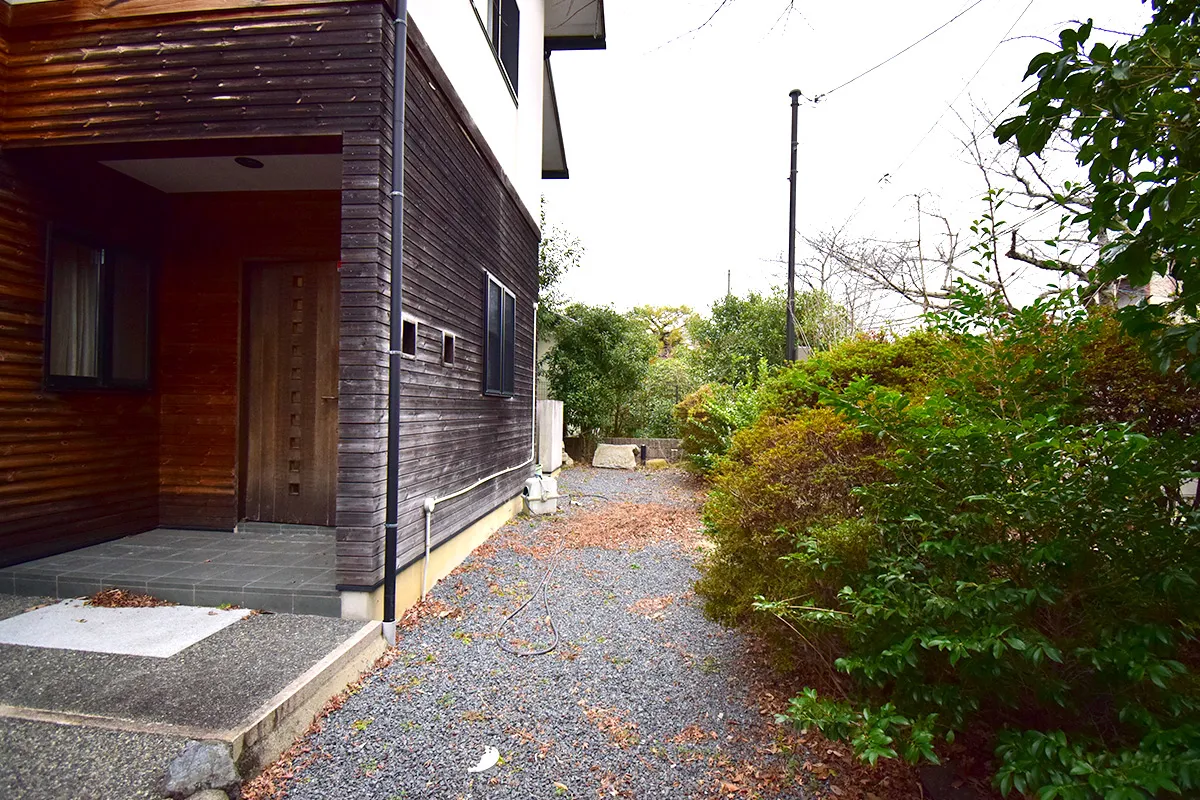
203	765
616	456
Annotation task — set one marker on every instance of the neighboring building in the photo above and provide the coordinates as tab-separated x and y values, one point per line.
195	264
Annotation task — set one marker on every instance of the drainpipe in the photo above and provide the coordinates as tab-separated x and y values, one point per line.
392	486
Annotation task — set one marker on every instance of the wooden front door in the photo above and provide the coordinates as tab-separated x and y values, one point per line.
290	403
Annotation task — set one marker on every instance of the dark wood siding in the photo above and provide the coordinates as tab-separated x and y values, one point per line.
301	70
460	220
80	466
294	70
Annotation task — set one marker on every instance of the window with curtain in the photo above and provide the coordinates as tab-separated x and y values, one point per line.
97	317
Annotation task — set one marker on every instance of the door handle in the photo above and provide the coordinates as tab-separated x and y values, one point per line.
329	397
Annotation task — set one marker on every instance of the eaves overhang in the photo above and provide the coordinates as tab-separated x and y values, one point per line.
574	25
554	152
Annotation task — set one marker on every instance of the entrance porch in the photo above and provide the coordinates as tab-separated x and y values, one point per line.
287	569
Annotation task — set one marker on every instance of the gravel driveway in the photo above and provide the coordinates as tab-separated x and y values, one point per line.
639	699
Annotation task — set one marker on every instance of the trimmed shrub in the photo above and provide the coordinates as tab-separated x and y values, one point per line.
783	483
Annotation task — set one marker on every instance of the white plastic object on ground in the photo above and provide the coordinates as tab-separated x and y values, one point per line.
491	757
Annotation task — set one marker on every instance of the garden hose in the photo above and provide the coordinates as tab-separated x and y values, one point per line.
541	589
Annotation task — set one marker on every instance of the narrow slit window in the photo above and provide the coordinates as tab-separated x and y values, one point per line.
447	348
408	338
500	313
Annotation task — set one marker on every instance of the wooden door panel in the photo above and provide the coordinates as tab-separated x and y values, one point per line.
291	393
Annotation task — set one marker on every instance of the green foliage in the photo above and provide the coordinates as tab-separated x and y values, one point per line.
1035	571
668	381
1132	111
907	363
667	324
981	526
740	333
707	419
598	364
558	253
785	485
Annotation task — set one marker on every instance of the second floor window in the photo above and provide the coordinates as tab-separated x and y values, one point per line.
502	20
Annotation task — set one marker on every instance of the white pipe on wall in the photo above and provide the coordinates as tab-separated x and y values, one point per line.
431	503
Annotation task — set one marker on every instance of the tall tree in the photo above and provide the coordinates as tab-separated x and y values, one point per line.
668	325
596	368
1131	110
559	253
742	331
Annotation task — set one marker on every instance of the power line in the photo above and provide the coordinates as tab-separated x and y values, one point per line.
892	58
956	98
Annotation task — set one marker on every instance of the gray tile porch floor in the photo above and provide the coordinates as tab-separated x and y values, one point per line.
272	568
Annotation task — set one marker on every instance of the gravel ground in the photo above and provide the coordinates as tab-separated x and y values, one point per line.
637	702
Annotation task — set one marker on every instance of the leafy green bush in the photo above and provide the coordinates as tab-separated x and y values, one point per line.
668	381
1032	569
708	418
907	363
783	482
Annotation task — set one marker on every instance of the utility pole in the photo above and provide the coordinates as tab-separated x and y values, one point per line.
728	283
791	272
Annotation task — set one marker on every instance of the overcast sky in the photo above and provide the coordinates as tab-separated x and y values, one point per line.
677	141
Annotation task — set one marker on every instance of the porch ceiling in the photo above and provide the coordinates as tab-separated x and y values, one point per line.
314	171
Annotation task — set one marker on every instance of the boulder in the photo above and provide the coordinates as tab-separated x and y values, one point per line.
567	461
616	456
210	794
201	766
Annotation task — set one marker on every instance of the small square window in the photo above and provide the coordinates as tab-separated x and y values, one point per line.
447	348
408	338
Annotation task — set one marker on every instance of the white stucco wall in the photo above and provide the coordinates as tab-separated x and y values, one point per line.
512	130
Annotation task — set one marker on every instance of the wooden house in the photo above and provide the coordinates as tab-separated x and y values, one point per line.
196	261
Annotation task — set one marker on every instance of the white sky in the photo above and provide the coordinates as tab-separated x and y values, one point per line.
677	143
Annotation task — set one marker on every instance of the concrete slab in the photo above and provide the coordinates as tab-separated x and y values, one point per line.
47	761
152	632
77	724
280	568
213	684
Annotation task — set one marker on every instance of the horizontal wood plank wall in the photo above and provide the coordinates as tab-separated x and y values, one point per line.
307	69
460	221
210	237
300	69
80	10
75	467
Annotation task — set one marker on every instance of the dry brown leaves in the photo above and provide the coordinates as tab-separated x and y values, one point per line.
427	608
620	731
827	768
651	607
693	735
629	526
119	598
271	783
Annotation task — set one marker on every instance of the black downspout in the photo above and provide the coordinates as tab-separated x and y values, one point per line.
395	327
